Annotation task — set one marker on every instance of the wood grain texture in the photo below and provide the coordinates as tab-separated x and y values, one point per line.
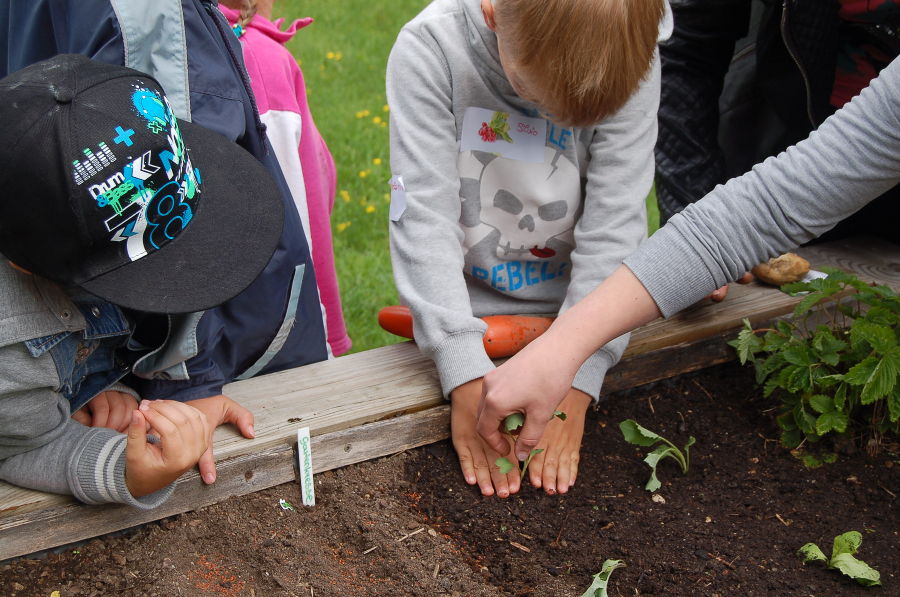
382	401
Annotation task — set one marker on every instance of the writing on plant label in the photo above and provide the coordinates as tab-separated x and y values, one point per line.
304	462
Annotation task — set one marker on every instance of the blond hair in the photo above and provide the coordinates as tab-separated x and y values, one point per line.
587	57
247	8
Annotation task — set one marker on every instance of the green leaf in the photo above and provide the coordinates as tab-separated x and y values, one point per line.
858	570
821	403
832	421
806	304
637	435
811	553
786	421
879	337
652	459
848	542
600	584
559	415
747	343
859	374
791	439
894	404
799	354
840	397
504	465
513	422
882	380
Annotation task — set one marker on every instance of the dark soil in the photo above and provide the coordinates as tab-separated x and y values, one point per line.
409	525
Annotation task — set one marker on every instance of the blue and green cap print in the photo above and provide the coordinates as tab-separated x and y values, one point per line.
108	191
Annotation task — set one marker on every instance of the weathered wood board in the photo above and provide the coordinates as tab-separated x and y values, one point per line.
386	400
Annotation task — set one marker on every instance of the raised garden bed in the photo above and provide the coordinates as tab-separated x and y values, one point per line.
408	524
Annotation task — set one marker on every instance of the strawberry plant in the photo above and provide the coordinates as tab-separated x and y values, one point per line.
641	436
601	579
842	558
834	365
512	424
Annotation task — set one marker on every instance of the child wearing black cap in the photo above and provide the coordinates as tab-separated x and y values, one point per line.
118	223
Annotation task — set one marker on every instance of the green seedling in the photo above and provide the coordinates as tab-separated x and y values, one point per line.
511	427
845	546
639	436
601	579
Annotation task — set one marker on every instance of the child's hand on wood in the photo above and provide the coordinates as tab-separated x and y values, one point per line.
111	409
476	458
220	410
556	467
183	437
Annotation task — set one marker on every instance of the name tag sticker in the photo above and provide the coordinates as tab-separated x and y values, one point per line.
509	135
398	198
304	460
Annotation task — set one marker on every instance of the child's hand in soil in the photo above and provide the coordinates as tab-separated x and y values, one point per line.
476	458
183	436
220	410
111	409
556	468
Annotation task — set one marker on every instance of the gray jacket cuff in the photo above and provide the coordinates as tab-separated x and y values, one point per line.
97	473
461	358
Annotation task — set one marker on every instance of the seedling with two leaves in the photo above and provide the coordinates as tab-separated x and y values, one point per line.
842	552
511	427
601	579
640	436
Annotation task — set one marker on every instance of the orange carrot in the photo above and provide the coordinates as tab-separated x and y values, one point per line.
506	334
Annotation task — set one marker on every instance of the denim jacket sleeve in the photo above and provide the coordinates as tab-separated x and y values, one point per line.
41	447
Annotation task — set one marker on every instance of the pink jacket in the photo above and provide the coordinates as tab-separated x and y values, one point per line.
304	158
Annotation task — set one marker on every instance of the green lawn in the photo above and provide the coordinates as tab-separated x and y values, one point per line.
343	56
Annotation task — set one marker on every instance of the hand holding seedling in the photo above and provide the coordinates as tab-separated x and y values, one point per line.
554	464
511	427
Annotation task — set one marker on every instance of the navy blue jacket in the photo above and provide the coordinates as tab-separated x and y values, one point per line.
276	323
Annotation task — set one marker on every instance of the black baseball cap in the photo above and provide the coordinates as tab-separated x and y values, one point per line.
103	188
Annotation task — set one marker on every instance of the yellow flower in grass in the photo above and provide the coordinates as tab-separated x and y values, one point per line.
330	55
376	161
362	113
386	108
383	124
364	173
377	120
344	195
370	209
338	55
341	226
387	197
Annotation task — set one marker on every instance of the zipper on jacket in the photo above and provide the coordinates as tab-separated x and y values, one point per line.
788	44
227	35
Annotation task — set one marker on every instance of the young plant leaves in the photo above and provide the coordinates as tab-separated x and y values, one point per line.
842	558
839	378
635	434
601	579
511	426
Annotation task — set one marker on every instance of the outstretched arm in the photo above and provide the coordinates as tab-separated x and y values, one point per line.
536	380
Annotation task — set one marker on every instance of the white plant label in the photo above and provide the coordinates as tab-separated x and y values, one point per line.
304	460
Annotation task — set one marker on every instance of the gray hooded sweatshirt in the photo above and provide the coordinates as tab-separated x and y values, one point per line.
495	209
853	157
